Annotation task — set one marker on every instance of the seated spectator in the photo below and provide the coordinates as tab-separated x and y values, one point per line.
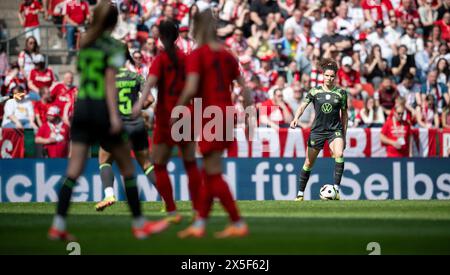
14	77
425	59
396	135
261	9
149	51
427	115
409	90
352	113
444	25
275	112
403	63
376	10
41	76
443	71
382	38
331	36
375	67
41	107
445	117
349	79
438	90
64	95
54	135
237	42
184	42
288	46
18	111
386	95
138	66
371	115
258	95
125	29
413	43
428	15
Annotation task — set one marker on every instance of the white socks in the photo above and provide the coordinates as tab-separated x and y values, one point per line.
109	192
138	222
300	193
59	222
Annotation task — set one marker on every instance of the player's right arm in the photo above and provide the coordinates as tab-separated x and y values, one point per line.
301	109
150	83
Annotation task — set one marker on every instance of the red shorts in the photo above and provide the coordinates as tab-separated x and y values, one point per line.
163	133
207	147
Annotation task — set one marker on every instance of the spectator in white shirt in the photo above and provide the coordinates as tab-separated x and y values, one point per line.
19	112
413	43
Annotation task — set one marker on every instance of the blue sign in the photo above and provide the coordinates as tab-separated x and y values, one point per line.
38	180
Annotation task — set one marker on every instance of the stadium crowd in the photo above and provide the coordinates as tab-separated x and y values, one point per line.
390	52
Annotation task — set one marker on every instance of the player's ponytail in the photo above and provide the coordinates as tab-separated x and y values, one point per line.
168	33
105	19
328	64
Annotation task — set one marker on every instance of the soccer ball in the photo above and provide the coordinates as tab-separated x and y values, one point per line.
327	192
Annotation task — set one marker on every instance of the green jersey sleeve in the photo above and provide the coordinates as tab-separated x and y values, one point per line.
344	99
310	96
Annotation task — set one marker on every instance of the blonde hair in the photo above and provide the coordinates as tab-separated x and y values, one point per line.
205	27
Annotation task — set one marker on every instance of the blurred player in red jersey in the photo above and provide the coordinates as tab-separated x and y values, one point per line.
168	73
211	70
396	134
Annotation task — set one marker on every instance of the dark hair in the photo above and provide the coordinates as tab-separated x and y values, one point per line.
328	64
105	18
168	33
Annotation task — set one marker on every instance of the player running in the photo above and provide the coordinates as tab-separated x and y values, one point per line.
211	70
96	119
168	73
129	85
330	123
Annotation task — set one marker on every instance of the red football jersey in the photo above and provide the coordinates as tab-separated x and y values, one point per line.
217	70
63	95
40	109
42	79
31	13
397	130
170	81
58	149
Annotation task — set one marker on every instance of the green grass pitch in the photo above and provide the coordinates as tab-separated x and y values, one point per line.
276	227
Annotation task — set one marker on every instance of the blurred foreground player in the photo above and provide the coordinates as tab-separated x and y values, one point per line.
211	70
97	119
168	73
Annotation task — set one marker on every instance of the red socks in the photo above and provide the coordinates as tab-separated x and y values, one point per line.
164	187
216	187
195	182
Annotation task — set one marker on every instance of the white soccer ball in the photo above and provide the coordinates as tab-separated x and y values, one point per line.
327	192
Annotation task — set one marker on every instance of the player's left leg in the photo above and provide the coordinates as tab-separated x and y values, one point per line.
74	169
107	176
337	148
140	226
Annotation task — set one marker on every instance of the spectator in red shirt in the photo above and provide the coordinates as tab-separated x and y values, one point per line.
64	95
376	10
444	25
29	18
275	112
76	14
396	134
348	78
54	135
386	95
407	13
40	76
149	51
41	107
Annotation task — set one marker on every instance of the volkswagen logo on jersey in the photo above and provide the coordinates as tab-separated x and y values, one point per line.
326	108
